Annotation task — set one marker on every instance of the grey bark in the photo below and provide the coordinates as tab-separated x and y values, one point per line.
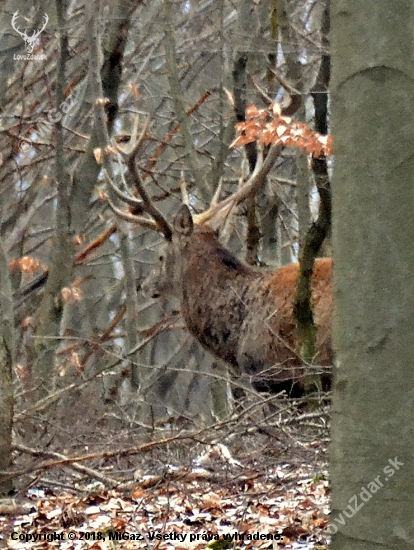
373	210
6	373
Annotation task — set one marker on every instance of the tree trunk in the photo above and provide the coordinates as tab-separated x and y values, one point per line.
6	372
373	207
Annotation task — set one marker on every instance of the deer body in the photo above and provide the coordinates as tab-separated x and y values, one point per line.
242	315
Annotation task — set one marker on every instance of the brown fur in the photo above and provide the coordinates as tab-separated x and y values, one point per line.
241	314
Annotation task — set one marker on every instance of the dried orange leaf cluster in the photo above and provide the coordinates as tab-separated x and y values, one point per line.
27	264
71	294
268	126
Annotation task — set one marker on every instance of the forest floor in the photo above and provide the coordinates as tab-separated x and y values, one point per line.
248	482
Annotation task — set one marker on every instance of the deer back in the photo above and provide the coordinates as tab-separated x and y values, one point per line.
270	346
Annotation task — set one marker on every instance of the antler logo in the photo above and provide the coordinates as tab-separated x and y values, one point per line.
29	40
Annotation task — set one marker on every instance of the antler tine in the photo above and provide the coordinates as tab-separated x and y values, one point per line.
132	201
140	220
251	187
14	19
158	222
184	190
46	18
217	193
147	205
135	143
128	199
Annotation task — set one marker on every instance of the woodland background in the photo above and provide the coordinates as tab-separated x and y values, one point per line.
88	363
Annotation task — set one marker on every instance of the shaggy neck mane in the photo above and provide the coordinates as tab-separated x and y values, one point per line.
205	249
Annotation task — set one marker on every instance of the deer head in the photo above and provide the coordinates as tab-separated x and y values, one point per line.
29	40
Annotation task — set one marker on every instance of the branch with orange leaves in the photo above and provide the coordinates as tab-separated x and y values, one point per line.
270	127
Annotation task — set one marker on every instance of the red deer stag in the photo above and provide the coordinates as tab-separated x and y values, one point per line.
241	314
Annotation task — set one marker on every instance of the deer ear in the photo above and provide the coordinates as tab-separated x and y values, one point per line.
183	222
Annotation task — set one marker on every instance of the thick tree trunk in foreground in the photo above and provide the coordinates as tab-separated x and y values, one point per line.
373	208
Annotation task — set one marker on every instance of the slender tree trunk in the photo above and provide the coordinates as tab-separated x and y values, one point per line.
6	373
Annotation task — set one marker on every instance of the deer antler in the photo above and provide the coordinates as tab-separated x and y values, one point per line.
218	210
46	18
251	187
131	201
29	40
144	204
13	22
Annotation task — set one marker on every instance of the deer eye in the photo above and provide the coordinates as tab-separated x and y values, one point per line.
161	258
